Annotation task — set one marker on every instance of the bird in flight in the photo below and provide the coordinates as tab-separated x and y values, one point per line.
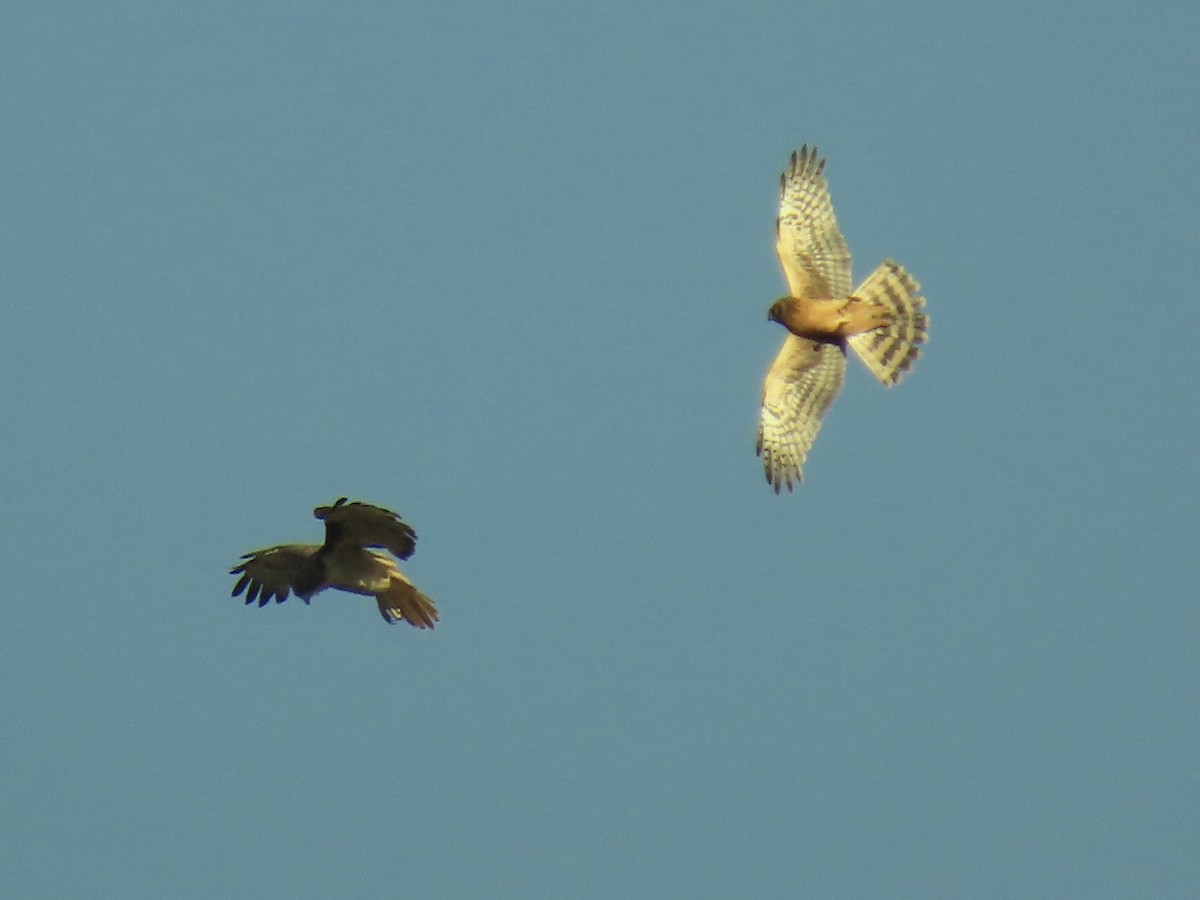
349	560
883	321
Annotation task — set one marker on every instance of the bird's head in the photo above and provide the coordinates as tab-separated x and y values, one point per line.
775	313
322	511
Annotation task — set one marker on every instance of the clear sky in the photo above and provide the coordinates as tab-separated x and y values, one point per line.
505	269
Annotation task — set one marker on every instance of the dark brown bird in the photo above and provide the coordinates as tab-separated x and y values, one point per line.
345	562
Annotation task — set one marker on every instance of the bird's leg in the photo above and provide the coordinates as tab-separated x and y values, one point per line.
843	322
857	316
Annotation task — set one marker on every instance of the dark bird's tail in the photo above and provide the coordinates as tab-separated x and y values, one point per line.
402	600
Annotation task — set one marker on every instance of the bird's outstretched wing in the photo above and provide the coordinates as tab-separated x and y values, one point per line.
811	249
276	571
358	524
798	390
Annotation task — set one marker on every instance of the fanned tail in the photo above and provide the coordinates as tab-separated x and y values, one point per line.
891	349
402	600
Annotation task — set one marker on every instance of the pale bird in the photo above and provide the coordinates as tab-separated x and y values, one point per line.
883	321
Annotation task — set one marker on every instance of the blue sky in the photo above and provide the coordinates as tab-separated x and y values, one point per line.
506	270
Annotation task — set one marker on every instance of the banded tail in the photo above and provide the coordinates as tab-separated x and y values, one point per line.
891	349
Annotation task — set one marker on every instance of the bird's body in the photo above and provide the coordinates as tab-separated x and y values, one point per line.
883	321
825	320
346	562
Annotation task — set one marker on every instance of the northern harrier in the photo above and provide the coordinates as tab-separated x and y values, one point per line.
884	321
344	562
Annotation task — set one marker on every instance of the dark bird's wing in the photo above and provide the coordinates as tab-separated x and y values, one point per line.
275	571
363	525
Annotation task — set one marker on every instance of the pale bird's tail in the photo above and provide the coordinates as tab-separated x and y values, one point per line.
401	600
891	349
